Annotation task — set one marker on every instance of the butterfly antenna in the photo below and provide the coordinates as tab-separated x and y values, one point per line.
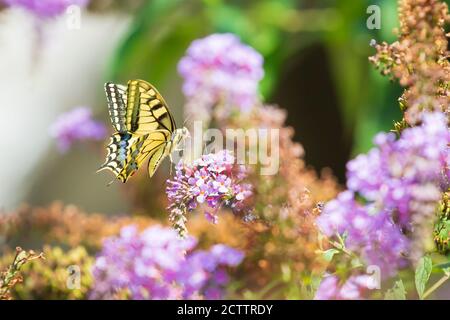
111	182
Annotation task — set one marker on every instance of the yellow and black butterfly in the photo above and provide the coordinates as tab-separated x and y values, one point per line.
144	128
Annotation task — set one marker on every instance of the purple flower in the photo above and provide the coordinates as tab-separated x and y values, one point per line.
157	264
221	277
45	8
353	289
371	234
76	125
219	69
140	262
212	181
213	293
211	274
328	288
408	174
226	255
401	181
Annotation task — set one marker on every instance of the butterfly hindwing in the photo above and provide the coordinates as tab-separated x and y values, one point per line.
123	149
158	149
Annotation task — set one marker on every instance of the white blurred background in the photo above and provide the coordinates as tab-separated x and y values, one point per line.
43	74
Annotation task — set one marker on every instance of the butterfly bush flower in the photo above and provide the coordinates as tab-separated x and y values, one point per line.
405	175
213	181
76	125
371	234
353	289
401	181
46	8
157	264
219	69
205	272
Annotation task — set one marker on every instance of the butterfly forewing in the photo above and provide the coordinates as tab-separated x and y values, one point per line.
116	96
146	109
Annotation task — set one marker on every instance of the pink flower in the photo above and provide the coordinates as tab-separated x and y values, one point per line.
219	69
45	8
157	264
353	289
76	125
210	180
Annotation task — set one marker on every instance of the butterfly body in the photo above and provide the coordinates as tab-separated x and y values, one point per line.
144	127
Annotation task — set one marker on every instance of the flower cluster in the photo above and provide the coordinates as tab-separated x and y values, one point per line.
285	207
45	8
401	181
76	125
205	271
213	180
371	234
354	288
405	175
283	210
157	264
219	69
75	237
419	59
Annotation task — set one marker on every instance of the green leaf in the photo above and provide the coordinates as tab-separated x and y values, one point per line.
329	254
397	292
423	272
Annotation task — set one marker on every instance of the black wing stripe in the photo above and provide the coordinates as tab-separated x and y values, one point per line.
158	120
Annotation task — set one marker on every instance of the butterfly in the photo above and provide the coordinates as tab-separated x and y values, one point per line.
144	128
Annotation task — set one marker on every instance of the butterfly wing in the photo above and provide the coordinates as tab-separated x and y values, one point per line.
127	152
123	149
144	128
156	146
146	109
116	96
159	150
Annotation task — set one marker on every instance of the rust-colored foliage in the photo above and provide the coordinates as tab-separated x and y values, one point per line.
419	59
66	225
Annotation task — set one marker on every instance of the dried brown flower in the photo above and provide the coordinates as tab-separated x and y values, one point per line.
65	274
419	59
66	225
11	276
283	239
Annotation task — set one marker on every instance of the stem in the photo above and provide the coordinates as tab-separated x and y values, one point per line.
340	247
439	283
